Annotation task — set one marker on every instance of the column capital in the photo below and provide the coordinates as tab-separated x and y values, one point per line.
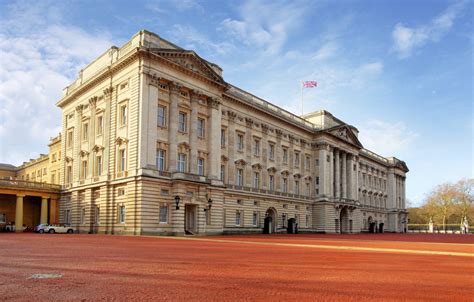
175	87
213	103
20	195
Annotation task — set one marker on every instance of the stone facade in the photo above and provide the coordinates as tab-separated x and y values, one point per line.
150	123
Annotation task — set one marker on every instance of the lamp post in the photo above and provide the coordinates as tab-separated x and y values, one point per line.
209	205
176	201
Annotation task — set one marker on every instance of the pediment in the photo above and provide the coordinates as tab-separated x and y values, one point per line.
345	133
191	61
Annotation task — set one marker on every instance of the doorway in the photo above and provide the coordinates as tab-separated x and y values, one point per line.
269	225
190	219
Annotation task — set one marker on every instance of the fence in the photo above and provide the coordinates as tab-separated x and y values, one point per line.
438	228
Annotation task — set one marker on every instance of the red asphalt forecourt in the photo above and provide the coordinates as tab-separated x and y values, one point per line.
361	267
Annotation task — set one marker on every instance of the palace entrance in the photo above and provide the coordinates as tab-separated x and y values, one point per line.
270	222
190	212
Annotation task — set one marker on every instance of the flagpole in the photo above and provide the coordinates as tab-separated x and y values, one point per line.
302	98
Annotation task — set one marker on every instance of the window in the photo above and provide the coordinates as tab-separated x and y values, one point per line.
122	160
161	116
239	177
69	174
237	218
161	159
271	182
255	219
100	124
83	215
84	169
317	162
181	162
307	221
122	214
3	218
200	165
256	180
240	142
85	131
98	165
201	127
97	215
297	159
297	187
123	115
256	148
164	213
307	163
222	172
271	151
68	216
308	189
317	180
70	139
222	137
285	156
182	122
285	185
53	177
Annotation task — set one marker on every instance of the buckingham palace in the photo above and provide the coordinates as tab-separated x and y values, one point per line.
155	141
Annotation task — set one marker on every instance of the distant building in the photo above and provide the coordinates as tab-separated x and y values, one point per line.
150	124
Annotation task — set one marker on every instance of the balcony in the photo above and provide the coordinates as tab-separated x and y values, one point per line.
29	185
269	192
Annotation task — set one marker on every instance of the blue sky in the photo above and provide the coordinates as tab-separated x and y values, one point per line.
400	71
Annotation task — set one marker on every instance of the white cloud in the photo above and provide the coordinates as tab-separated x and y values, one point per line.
265	25
386	138
326	51
34	68
192	39
407	39
163	7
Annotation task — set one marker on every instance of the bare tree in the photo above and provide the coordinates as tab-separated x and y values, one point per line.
464	198
441	202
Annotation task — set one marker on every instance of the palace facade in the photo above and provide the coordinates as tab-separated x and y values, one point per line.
155	141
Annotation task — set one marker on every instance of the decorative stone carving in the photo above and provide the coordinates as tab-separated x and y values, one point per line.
93	101
97	148
175	87
231	115
121	140
278	133
248	122
83	153
108	91
213	103
264	128
79	108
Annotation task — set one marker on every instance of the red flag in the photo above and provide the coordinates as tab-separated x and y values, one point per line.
310	84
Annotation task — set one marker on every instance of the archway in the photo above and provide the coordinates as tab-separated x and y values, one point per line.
270	221
371	225
291	229
381	227
344	221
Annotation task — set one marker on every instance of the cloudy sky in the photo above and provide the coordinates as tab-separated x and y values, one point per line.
400	71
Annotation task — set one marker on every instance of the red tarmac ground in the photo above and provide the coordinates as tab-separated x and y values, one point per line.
388	267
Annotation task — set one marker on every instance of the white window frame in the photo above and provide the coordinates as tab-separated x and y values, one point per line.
182	159
240	142
239	177
256	180
100	125
182	122
201	127
161	118
238	218
200	166
122	214
164	215
123	111
271	182
161	160
271	151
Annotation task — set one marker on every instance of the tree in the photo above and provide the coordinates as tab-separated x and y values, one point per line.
441	202
465	198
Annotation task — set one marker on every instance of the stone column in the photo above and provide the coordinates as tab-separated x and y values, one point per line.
54	211
44	210
350	177
323	167
173	126
76	170
337	174
329	174
193	135
214	147
344	175
356	178
391	190
91	138
19	213
231	147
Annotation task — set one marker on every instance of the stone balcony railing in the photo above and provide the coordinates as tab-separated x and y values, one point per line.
29	185
270	192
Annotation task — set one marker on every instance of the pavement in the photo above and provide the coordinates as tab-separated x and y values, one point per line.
302	267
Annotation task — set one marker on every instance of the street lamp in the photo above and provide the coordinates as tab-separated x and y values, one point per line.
176	201
209	205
